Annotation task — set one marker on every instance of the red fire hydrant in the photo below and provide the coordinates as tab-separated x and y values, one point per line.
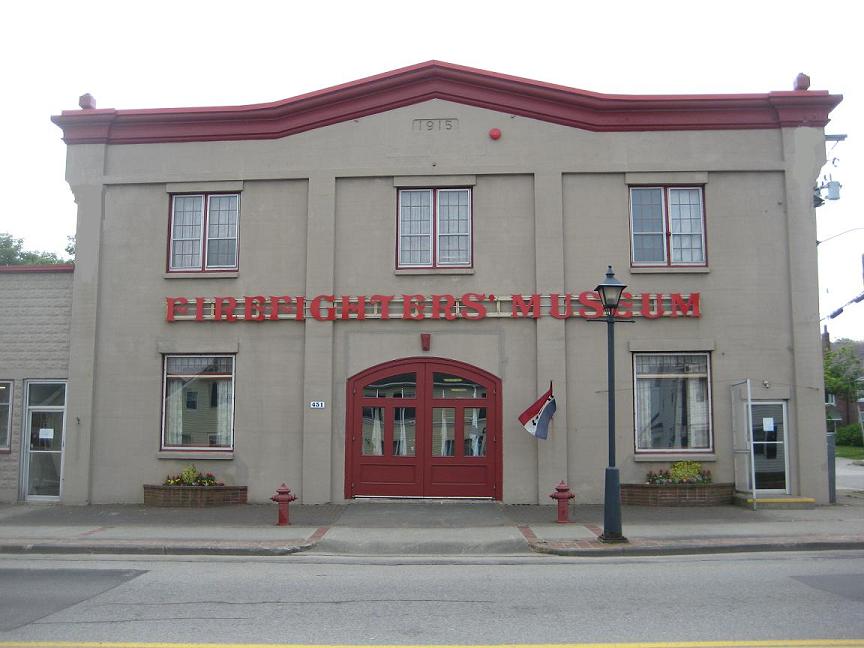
563	495
282	497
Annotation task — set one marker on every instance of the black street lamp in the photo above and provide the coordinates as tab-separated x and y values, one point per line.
610	291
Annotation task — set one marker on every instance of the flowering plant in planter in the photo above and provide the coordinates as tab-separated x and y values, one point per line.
681	472
191	476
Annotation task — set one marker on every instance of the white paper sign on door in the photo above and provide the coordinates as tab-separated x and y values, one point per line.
768	424
46	433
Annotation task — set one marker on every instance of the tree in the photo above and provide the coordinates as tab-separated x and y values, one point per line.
843	373
12	252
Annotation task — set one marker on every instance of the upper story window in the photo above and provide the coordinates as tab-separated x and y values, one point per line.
434	228
204	232
667	226
672	402
5	414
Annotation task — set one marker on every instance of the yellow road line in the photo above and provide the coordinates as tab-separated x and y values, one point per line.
771	643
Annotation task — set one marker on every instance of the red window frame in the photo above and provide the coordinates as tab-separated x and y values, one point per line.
165	447
434	234
202	267
667	229
709	376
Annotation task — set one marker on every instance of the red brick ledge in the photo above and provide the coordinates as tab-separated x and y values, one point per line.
677	494
44	267
193	496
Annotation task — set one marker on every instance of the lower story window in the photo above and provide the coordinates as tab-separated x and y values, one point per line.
5	414
209	424
673	403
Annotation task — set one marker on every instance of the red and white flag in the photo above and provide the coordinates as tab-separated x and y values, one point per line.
536	418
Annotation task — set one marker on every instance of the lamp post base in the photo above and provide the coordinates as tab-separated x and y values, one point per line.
612	509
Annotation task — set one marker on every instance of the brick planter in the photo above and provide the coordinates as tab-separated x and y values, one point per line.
677	494
193	496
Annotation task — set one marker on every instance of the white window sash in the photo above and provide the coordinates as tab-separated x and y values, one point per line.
661	232
210	239
674	238
402	263
177	239
466	234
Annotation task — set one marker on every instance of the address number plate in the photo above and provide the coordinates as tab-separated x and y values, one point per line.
316	404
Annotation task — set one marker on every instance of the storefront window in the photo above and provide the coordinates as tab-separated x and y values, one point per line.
210	423
672	396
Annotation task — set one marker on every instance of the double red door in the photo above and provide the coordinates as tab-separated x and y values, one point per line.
423	427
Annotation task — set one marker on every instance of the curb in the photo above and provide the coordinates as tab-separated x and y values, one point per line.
153	549
697	548
541	547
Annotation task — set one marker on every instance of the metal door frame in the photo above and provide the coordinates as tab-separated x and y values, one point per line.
747	450
785	405
27	410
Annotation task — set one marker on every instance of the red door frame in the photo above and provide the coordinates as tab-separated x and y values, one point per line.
424	465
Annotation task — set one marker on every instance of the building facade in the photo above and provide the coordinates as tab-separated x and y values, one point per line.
357	291
34	367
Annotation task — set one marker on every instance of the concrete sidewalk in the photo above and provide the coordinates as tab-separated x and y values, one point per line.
400	528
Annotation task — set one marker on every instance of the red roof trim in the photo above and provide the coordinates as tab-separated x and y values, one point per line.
437	80
57	267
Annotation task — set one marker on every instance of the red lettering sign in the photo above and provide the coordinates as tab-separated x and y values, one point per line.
470	306
175	306
521	309
253	310
473	306
315	307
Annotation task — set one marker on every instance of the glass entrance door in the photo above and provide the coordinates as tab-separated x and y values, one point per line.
770	459
46	413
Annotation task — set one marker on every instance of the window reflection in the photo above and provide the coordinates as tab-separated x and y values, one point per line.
373	431
404	431
450	386
398	386
443	430
474	432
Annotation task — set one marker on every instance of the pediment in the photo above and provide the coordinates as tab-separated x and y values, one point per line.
438	80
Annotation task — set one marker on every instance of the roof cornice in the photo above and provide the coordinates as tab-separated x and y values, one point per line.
437	80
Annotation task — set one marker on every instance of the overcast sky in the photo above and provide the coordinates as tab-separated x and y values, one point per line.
189	53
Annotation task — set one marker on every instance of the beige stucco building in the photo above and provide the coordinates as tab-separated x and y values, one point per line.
358	291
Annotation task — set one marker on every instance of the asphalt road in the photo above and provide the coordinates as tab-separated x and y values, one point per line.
303	600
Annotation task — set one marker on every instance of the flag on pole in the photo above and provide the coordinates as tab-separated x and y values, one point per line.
536	418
